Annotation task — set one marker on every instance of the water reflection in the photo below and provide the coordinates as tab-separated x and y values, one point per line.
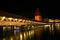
4	39
21	36
11	38
40	33
24	35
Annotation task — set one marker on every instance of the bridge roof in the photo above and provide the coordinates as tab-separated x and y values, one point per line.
3	13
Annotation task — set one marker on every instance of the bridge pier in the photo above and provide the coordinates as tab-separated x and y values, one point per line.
1	31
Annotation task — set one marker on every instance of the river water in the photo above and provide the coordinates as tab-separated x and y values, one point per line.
40	33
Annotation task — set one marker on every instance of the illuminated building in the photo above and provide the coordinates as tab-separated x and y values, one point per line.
13	19
38	15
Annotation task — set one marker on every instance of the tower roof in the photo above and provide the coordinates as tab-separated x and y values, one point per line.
37	12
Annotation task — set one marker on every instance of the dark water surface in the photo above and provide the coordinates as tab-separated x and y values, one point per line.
34	34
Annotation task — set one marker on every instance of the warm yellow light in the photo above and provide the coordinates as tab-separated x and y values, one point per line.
16	19
38	18
11	38
56	20
20	19
3	18
50	20
24	35
10	18
29	21
29	33
23	20
21	37
46	25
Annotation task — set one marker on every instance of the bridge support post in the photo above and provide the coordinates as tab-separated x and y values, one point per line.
1	31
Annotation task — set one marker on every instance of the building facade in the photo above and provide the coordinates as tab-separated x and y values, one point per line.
37	15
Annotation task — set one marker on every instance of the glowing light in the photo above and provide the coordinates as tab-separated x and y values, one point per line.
9	27
46	25
14	32
52	28
37	18
4	28
21	37
32	26
3	18
23	20
20	19
29	21
16	27
58	26
50	20
24	36
29	33
37	15
11	38
26	20
10	19
56	20
16	19
4	39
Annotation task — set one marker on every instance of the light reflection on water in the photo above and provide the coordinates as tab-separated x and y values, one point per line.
25	35
46	31
21	37
34	34
4	39
11	38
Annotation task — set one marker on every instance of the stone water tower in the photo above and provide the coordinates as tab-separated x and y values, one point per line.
37	15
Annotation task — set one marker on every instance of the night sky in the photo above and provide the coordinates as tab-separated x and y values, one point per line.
27	8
